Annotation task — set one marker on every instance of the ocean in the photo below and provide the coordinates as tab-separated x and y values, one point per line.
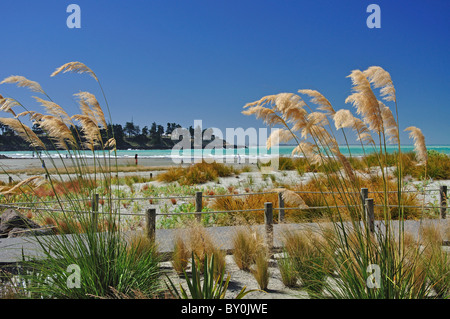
251	152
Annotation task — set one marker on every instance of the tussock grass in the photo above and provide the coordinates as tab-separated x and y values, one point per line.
306	253
198	173
260	269
180	256
354	251
437	166
242	202
107	263
247	242
201	244
288	272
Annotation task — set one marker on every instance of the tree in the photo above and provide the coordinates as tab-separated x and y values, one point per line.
145	130
153	130
171	127
131	129
160	130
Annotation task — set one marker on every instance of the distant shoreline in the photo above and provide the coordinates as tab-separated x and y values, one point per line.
251	152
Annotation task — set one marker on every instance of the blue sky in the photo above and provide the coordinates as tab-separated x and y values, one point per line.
177	61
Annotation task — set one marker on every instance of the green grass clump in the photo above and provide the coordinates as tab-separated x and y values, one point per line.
436	167
306	254
106	263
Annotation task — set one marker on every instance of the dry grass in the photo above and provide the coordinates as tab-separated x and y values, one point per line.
180	256
246	244
139	245
260	269
198	173
202	245
242	202
60	189
351	197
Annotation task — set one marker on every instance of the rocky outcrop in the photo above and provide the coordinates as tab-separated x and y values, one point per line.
14	224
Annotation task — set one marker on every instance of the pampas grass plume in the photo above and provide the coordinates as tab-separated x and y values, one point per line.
419	143
76	67
22	81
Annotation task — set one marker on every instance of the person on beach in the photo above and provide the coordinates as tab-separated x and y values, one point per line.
135	159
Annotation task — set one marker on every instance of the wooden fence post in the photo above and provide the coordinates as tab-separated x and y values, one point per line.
364	196
94	206
443	200
198	205
281	208
370	214
151	223
268	220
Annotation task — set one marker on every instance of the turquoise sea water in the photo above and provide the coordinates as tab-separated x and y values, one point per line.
250	152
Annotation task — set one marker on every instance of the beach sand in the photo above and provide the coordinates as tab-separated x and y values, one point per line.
21	168
15	164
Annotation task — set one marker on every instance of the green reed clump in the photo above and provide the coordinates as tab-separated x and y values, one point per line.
306	253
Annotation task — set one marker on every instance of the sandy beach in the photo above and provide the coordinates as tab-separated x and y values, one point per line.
14	164
20	168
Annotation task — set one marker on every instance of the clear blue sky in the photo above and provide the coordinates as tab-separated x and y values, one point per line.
177	61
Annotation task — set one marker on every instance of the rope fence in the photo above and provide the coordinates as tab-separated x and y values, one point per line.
199	196
150	214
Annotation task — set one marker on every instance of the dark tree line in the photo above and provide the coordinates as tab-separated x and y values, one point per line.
127	136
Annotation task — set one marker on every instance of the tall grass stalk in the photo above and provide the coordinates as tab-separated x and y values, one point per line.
107	263
354	251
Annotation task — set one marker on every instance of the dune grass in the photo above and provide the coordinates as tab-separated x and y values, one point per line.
354	252
95	258
198	173
111	265
247	242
